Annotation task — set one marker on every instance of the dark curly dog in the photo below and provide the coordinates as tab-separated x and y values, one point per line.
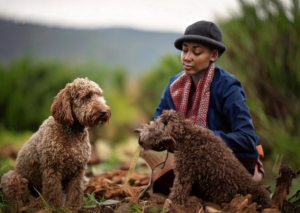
201	159
55	157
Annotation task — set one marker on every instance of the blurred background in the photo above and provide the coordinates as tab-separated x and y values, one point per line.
127	48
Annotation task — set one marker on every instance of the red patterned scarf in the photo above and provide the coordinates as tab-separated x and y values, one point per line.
195	109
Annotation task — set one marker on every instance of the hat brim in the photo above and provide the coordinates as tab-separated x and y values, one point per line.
200	39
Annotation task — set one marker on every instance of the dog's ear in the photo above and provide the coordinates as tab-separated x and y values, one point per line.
61	107
165	125
169	143
138	131
174	123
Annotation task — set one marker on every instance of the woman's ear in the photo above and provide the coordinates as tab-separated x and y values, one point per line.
215	55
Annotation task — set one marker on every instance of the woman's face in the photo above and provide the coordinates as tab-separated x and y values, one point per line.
196	57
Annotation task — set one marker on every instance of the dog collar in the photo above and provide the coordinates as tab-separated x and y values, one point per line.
76	128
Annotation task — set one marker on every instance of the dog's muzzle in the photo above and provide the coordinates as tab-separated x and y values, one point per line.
157	147
104	115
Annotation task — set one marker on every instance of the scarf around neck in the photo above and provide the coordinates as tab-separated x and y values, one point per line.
195	110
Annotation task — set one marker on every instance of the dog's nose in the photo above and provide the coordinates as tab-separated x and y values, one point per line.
103	112
159	147
140	142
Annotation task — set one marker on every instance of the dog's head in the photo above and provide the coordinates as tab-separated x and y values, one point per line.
82	101
162	133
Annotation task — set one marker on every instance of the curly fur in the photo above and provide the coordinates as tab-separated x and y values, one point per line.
201	160
16	189
55	157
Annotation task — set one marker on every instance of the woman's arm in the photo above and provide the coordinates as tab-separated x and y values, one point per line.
236	128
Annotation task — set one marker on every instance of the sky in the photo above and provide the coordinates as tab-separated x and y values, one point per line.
157	15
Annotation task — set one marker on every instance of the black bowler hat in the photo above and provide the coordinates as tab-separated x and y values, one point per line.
203	32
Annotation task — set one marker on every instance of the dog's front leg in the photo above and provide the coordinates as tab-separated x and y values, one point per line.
52	188
74	191
181	187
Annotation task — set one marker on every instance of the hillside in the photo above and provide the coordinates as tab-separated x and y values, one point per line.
134	49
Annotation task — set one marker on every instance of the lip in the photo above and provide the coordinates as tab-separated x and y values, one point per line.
187	67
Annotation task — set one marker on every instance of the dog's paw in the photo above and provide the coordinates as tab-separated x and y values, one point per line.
167	205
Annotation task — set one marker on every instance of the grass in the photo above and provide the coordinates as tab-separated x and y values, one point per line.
5	165
2	204
51	208
154	210
90	201
16	139
6	207
13	139
135	208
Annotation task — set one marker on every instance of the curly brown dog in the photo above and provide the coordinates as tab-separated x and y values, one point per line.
55	157
201	159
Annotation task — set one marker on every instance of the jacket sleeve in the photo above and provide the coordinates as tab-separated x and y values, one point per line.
241	137
162	104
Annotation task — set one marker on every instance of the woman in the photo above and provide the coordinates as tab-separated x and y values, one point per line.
210	96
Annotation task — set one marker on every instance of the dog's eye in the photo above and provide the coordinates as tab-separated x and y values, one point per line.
88	96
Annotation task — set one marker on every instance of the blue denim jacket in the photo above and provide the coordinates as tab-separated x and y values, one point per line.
228	115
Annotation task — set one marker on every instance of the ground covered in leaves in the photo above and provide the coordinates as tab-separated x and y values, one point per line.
106	193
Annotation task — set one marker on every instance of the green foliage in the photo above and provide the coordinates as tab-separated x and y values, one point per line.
263	48
28	88
51	208
25	99
154	210
153	83
90	201
2	203
13	138
135	208
9	141
5	166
